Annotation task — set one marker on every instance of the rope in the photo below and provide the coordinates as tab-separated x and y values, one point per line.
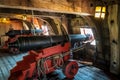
42	65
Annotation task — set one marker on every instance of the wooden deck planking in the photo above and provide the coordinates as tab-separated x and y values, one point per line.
6	68
11	61
5	73
82	75
8	61
92	75
1	74
99	73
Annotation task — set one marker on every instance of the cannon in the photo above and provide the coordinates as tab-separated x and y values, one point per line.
46	54
26	43
77	40
13	35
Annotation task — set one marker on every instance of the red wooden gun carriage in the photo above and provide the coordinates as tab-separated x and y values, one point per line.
45	55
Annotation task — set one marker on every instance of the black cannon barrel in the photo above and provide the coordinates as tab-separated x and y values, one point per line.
36	42
77	39
13	33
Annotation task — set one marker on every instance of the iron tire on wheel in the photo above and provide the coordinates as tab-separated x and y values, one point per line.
70	69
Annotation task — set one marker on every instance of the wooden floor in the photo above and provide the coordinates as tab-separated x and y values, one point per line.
8	61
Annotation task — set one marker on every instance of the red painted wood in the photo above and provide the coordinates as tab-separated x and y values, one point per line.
26	67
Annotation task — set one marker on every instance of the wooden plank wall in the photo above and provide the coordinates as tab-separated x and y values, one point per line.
66	6
113	24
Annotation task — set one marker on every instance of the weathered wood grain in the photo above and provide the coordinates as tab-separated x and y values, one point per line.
64	6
